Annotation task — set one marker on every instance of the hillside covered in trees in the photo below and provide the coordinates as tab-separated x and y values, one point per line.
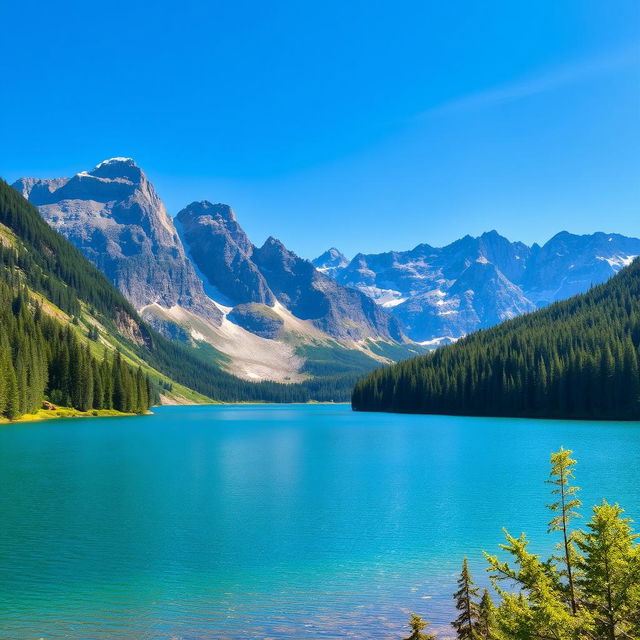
45	286
574	359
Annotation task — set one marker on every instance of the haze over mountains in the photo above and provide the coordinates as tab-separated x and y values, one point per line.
441	294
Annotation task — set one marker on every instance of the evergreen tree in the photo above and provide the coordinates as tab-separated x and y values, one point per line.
417	626
610	573
562	472
466	597
486	617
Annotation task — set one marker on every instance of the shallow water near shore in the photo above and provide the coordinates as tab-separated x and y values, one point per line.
267	521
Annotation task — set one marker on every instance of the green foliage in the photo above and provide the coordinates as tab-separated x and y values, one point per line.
574	359
536	601
468	621
593	593
41	358
417	626
609	573
562	472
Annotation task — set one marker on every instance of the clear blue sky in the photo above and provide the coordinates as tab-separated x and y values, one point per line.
365	125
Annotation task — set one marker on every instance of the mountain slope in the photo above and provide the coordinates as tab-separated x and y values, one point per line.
198	281
441	294
574	359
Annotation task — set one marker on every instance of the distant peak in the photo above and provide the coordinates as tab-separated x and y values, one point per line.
204	207
117	160
331	258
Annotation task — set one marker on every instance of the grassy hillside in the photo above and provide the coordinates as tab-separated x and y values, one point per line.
575	359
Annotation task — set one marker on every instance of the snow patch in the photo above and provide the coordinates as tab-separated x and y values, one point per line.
113	160
617	262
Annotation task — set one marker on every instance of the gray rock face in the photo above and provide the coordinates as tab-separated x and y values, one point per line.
222	252
474	283
258	318
569	264
114	216
330	262
248	278
340	311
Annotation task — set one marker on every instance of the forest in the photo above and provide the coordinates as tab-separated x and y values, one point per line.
41	358
588	590
574	359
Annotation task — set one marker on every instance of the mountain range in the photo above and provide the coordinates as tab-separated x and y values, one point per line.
264	313
441	294
260	313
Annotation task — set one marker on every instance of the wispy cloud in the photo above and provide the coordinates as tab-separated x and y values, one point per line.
539	83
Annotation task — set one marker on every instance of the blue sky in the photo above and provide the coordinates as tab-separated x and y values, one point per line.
365	125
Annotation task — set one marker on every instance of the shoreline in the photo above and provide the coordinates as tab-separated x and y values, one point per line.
65	412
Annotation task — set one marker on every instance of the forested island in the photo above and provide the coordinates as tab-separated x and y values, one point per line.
574	359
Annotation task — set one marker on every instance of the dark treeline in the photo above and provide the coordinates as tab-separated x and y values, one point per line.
588	590
575	359
42	358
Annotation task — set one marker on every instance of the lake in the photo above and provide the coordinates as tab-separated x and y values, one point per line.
273	521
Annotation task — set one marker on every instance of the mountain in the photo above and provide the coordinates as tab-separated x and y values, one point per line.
330	262
61	323
573	359
115	217
441	294
239	273
222	252
258	314
58	311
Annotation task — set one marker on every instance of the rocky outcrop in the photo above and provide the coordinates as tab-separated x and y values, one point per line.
115	217
259	319
222	252
310	295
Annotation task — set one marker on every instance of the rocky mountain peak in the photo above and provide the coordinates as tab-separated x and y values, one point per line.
115	217
330	261
223	253
117	169
205	208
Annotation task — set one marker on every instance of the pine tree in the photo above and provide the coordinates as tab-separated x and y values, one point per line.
486	617
466	624
12	399
610	573
417	626
562	472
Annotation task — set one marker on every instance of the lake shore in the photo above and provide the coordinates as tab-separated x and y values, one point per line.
67	412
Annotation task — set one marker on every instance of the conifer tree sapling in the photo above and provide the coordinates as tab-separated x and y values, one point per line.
562	472
417	626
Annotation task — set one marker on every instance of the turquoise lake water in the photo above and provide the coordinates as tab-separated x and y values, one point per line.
273	521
